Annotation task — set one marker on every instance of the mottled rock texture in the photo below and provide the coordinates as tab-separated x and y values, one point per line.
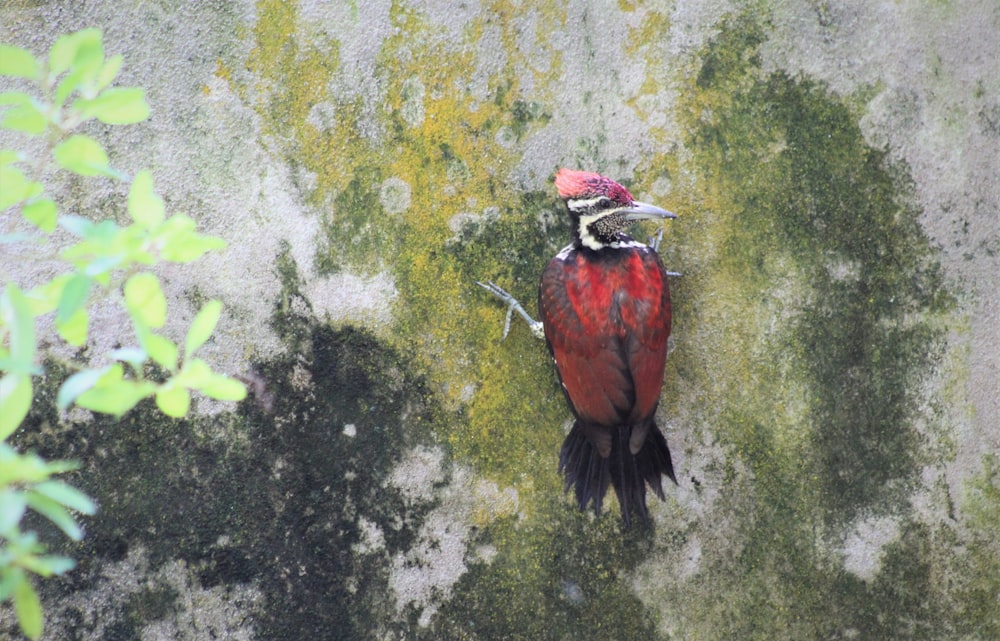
832	392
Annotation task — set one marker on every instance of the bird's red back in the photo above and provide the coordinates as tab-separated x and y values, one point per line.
606	317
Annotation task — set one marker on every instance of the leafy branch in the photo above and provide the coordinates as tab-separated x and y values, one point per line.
105	263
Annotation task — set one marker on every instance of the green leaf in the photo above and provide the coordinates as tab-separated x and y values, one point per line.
99	267
77	384
85	53
28	610
116	399
74	296
192	248
44	298
42	213
18	237
62	52
67	495
49	565
195	374
74	329
116	106
15	401
56	513
202	327
177	226
104	233
160	348
77	225
80	48
8	156
134	356
145	300
12	506
174	401
83	155
15	312
14	186
60	564
74	80
17	62
144	205
25	117
180	243
113	394
9	579
108	72
224	388
14	98
28	468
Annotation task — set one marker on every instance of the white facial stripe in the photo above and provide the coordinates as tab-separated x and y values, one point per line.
577	204
590	242
586	238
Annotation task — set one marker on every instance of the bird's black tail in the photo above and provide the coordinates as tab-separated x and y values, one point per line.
589	474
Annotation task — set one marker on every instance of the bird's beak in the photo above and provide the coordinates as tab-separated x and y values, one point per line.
642	211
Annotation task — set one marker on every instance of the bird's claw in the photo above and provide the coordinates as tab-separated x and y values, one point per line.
512	306
654	241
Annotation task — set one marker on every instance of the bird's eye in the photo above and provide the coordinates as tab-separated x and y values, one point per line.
602	203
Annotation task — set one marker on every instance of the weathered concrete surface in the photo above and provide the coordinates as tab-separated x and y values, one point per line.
832	395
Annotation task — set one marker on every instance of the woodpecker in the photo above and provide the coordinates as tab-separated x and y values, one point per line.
604	304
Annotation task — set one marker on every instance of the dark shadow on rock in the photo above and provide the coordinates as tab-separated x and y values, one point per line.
271	499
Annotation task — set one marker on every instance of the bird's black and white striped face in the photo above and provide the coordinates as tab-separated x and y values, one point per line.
601	209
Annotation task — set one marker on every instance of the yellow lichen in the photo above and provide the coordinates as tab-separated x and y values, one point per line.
440	141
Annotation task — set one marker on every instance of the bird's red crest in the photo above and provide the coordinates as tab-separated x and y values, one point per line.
586	184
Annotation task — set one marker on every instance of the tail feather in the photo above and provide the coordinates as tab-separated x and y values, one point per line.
653	461
629	485
590	474
586	472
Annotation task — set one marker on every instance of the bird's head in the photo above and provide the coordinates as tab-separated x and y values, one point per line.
601	208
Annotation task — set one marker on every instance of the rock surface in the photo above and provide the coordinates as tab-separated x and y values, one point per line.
832	391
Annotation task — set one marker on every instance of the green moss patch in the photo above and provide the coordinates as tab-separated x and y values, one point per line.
810	322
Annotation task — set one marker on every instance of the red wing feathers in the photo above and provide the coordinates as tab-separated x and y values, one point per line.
650	329
607	327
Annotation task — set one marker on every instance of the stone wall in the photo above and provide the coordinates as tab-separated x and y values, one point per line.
831	395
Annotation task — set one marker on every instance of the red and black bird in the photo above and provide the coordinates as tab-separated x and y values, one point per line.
605	315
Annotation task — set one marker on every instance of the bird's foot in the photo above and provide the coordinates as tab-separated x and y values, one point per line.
512	306
654	243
